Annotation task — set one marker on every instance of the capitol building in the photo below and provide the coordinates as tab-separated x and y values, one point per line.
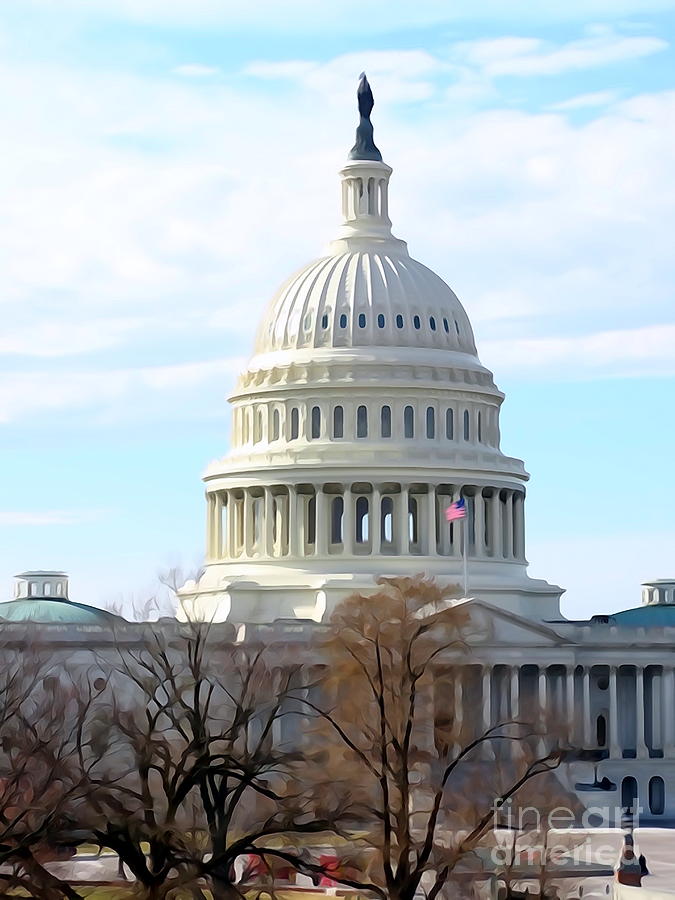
362	415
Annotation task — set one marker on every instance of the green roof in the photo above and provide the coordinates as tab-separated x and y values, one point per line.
650	615
54	611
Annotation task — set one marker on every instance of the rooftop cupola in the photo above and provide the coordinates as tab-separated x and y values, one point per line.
365	188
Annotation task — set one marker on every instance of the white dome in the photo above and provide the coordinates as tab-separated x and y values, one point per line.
364	298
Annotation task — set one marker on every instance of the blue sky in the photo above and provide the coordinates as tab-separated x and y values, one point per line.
167	164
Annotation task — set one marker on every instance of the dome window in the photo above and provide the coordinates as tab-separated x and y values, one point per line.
385	422
316	422
657	795
449	423
338	422
295	423
467	428
431	423
387	520
409	422
362	422
399	321
337	512
456	327
362	523
380	321
362	320
480	428
432	323
416	322
275	425
446	326
324	321
343	321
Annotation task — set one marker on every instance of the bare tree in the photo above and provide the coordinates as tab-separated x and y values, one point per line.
421	784
207	778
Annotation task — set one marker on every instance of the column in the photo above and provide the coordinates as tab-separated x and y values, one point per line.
479	523
322	523
544	712
209	525
348	521
515	692
640	743
248	523
375	520
508	526
614	749
488	751
268	527
294	523
586	679
231	525
403	526
495	530
431	522
668	711
569	703
218	526
519	536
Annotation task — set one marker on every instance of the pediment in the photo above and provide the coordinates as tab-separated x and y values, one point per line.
493	625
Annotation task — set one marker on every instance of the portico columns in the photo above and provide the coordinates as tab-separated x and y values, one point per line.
375	521
218	526
268	540
322	523
478	523
294	523
519	510
640	744
587	706
614	749
515	692
507	525
569	703
432	549
231	525
495	532
403	526
347	520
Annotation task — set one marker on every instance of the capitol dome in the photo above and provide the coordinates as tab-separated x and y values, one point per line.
363	298
362	416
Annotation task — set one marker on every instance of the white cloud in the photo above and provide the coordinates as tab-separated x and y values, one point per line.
527	57
586	101
18	519
627	353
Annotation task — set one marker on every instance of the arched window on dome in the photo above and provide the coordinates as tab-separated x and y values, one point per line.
32	588
362	520
657	796
380	321
47	588
413	523
316	422
295	423
479	421
417	323
257	436
431	422
362	422
59	589
343	320
467	426
385	422
450	423
399	321
387	521
409	422
446	326
338	422
324	321
362	320
432	323
276	425
337	514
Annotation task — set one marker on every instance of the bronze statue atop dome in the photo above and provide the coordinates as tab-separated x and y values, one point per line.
365	148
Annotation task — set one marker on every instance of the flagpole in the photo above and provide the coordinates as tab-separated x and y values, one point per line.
465	541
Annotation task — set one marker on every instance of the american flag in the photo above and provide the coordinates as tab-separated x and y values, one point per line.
456	510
